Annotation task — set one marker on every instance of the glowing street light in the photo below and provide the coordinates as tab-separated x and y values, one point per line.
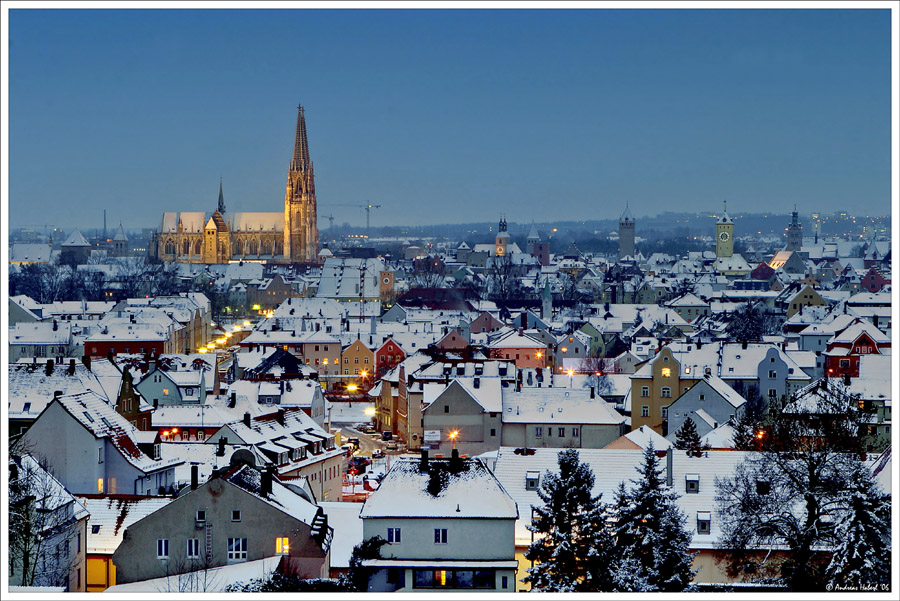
453	436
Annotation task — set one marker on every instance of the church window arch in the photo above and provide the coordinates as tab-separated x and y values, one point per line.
266	247
186	247
170	247
279	247
237	248
252	248
198	248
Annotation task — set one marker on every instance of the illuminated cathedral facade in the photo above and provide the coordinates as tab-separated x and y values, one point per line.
288	237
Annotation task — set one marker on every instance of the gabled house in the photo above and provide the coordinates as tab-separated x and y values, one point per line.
449	526
526	350
708	403
92	449
294	444
51	553
469	407
241	514
388	356
844	349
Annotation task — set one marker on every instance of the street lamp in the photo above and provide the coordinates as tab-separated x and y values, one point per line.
453	436
570	373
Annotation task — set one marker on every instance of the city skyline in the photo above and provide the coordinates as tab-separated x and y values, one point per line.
448	115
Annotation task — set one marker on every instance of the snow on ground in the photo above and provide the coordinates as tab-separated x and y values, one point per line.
213	580
351	412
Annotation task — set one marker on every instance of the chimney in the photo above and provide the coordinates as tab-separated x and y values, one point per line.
195	476
423	462
86	359
55	325
593	393
233	401
455	461
220	452
669	476
71	367
744	344
57	394
281	416
265	486
518	385
247	419
846	379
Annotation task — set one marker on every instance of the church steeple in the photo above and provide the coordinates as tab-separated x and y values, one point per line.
301	233
221	199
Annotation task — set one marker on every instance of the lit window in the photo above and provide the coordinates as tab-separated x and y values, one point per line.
100	485
282	546
666	372
165	391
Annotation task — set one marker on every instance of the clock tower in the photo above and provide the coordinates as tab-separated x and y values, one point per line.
724	235
502	240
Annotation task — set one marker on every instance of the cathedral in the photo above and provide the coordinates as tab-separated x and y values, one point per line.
288	237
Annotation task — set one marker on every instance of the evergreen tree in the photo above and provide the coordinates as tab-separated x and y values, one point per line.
688	439
651	540
863	555
574	552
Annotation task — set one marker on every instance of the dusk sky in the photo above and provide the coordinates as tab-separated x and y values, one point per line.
448	115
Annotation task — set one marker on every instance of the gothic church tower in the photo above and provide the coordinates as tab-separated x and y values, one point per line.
301	233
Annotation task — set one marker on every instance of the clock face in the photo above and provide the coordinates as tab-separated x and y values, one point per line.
723	236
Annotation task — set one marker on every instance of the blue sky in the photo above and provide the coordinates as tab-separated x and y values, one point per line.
448	115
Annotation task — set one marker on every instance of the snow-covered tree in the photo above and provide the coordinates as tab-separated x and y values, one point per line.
688	439
780	508
574	551
652	543
863	555
747	324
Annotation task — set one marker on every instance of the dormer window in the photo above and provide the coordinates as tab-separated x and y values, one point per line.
532	479
704	518
692	483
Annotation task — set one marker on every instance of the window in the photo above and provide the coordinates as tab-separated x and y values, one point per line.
100	455
645	410
645	391
561	432
773	374
665	392
538	431
95	529
692	483
458	579
446	408
201	515
763	487
574	431
393	535
201	435
237	548
99	485
531	480
236	515
193	548
666	372
165	391
845	362
773	393
162	548
282	546
493	432
440	536
703	520
78	543
702	397
664	411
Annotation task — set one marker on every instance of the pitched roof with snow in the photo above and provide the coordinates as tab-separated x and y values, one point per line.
557	405
111	515
473	492
76	239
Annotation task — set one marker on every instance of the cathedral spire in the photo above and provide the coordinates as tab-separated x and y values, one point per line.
301	149
221	199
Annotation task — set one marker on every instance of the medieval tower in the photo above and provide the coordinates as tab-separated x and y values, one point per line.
724	235
626	234
301	233
795	233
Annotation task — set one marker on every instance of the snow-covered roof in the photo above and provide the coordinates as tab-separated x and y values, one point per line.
612	466
472	492
212	580
348	530
556	405
76	239
487	394
41	333
281	497
208	416
111	515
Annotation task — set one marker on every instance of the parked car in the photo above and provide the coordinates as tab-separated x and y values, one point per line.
369	429
391	445
353	441
377	454
387	435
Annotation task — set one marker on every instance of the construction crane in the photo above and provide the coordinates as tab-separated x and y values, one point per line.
367	207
